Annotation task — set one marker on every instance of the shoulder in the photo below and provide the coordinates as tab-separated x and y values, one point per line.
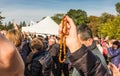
45	58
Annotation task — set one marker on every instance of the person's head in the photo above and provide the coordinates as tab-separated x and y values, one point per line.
51	36
51	41
44	42
85	35
116	45
14	36
36	45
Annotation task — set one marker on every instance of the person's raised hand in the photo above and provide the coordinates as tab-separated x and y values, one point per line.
114	69
72	40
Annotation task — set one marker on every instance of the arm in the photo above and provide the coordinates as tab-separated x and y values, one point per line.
10	59
87	64
113	53
82	59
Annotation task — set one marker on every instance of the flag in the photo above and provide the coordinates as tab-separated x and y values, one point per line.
32	23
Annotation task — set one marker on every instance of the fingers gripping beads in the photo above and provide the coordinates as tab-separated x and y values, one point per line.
62	54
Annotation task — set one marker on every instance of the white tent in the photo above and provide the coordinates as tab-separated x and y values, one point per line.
45	26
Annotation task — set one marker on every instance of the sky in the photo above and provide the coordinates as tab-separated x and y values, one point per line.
34	10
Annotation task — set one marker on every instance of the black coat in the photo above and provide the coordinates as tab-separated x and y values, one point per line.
93	48
54	52
40	64
24	50
87	63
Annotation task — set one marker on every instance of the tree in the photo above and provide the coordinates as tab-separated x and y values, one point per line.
1	18
105	17
116	24
93	24
104	21
20	24
1	27
117	5
57	18
10	25
5	26
78	16
24	23
111	28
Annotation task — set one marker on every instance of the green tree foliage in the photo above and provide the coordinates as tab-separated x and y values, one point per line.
9	26
78	16
116	24
117	5
43	18
105	17
1	27
24	23
57	18
1	18
111	28
93	24
5	26
21	24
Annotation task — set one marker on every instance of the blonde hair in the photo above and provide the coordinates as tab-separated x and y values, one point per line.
14	36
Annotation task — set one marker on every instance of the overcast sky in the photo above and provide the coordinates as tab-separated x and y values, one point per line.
27	10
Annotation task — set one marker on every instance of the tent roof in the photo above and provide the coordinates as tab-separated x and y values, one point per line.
45	26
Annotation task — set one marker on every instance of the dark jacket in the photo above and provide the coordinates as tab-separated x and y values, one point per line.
57	66
87	63
93	48
24	50
40	64
54	52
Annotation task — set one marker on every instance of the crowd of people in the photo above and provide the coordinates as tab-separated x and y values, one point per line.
26	54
